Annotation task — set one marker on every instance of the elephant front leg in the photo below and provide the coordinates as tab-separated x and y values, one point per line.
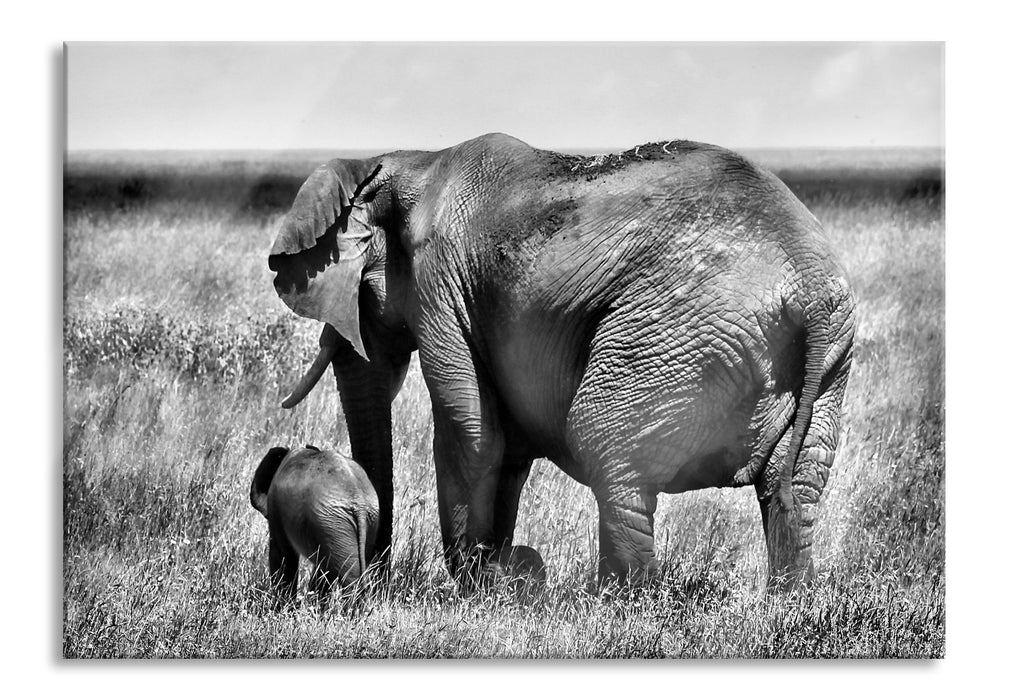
469	444
366	391
626	534
467	489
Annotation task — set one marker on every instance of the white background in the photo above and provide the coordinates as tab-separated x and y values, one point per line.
33	132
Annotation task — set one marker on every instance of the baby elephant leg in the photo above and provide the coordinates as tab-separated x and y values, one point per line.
283	566
321	584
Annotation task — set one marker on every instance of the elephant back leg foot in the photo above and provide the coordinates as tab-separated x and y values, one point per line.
788	532
788	528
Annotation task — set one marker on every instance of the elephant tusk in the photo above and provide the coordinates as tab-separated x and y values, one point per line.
312	376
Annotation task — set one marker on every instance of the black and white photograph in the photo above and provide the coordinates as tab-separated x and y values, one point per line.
504	350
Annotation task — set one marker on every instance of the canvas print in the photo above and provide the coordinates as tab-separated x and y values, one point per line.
514	350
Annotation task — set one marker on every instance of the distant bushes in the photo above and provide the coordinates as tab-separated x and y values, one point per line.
238	193
264	187
127	336
851	183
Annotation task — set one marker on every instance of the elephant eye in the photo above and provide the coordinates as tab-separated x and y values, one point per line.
366	196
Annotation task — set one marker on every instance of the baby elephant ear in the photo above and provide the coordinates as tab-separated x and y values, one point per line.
319	253
264	477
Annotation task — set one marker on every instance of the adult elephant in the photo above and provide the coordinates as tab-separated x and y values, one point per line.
665	319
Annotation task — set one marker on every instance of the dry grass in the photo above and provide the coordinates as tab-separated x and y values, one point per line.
176	355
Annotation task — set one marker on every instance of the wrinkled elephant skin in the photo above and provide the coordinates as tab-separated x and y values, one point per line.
661	320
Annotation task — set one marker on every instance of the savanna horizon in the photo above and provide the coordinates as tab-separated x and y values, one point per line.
264	182
173	384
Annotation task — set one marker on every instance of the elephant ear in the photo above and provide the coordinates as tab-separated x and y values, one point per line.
320	252
264	477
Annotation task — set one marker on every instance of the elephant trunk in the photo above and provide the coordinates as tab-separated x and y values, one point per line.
366	398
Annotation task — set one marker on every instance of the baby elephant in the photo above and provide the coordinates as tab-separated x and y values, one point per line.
319	505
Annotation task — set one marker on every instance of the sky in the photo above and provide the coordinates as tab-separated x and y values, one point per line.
561	96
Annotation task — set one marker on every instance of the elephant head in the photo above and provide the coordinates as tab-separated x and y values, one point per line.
337	260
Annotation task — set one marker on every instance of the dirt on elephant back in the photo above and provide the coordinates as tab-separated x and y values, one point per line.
592	166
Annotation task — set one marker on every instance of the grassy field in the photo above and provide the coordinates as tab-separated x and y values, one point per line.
177	353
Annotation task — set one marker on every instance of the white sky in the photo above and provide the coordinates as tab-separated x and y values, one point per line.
603	95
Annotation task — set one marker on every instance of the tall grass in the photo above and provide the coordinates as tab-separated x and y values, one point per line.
177	353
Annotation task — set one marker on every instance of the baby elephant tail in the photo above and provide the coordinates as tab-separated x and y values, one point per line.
362	539
264	477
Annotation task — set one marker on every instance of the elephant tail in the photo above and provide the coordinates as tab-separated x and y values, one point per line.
362	539
817	346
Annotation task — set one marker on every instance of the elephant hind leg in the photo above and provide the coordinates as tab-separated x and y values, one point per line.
321	584
789	535
789	532
336	572
626	534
